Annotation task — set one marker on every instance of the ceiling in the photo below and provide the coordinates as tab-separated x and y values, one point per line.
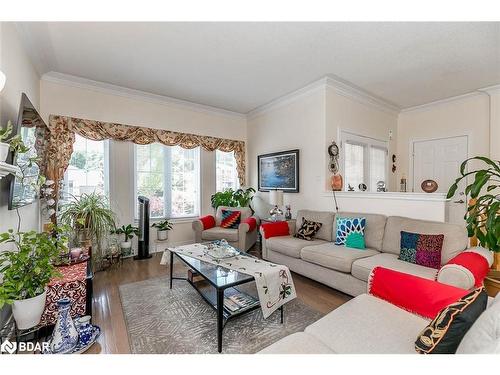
241	66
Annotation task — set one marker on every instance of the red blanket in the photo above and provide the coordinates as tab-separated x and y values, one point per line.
414	294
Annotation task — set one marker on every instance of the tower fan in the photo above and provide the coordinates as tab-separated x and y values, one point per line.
143	248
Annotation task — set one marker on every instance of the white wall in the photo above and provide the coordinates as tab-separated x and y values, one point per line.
349	114
468	115
66	98
495	124
310	122
299	124
21	77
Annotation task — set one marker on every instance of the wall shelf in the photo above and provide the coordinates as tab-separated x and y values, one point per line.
6	169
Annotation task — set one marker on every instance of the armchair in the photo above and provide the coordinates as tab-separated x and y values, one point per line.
207	228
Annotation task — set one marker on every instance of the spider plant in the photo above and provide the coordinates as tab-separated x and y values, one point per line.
90	215
483	213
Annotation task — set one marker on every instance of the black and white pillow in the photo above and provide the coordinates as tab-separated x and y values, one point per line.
447	329
308	230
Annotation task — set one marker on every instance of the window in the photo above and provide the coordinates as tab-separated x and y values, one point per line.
365	161
170	178
88	168
226	175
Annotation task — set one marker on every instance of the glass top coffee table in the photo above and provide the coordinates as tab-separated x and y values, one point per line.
219	288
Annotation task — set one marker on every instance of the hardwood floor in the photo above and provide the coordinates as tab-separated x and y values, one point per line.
107	309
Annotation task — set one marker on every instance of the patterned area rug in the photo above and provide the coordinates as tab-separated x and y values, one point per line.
178	321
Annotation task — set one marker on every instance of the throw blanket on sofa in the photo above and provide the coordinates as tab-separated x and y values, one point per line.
274	282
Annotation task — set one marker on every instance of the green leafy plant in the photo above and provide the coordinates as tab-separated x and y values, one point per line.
163	225
128	230
6	132
29	267
231	198
483	214
244	197
91	216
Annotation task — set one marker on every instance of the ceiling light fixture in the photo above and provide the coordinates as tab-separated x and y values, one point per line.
2	80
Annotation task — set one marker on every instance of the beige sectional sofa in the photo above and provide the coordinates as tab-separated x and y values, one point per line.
369	325
347	269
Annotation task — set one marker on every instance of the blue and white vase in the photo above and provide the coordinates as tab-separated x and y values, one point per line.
65	335
85	330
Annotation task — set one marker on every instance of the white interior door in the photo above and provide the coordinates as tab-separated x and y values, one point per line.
439	160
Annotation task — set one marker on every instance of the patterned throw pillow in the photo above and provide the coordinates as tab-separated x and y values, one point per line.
447	329
308	230
230	219
351	232
422	249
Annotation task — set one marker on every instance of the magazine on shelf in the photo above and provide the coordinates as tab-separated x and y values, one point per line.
239	301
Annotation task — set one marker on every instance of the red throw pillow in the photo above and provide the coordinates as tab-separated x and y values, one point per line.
230	219
415	294
252	223
207	221
279	228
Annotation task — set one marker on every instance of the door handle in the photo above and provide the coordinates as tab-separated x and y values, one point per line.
461	201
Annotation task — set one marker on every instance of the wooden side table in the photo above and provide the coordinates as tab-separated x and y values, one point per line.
492	283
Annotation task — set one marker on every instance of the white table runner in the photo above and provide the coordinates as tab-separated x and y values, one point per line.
274	282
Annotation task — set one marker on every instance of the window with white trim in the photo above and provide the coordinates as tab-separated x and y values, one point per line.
88	169
226	175
364	161
170	178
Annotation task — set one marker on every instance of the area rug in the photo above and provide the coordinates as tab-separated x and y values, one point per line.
179	321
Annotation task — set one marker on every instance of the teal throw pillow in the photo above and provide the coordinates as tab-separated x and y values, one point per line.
351	232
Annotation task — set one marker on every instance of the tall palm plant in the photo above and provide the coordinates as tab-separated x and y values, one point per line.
91	216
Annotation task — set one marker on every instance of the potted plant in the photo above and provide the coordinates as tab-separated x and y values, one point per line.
483	214
26	272
129	231
92	220
231	198
162	228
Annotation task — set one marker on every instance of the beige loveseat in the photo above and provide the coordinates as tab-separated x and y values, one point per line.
242	238
347	269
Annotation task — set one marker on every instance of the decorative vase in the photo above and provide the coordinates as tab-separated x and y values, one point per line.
162	235
28	312
336	182
75	253
84	328
65	335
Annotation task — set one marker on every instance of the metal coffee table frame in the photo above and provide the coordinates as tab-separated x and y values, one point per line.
214	293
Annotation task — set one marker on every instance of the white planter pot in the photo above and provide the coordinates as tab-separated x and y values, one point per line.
4	151
126	248
162	235
28	312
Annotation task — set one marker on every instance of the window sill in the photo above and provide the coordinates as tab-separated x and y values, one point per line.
180	220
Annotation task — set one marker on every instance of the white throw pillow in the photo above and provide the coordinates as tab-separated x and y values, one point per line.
484	335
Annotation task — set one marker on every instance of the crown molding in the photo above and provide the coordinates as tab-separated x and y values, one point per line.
286	99
349	90
490	89
107	88
341	87
441	101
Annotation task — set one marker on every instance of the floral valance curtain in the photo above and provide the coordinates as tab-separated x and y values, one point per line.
62	136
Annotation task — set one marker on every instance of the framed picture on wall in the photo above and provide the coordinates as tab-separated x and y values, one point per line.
279	171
